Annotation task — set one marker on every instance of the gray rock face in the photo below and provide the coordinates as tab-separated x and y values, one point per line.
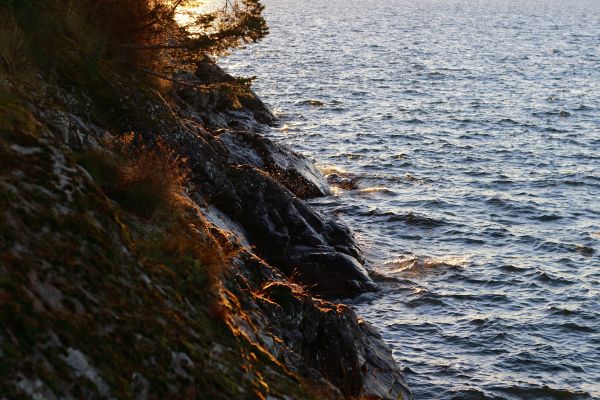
324	339
260	185
290	169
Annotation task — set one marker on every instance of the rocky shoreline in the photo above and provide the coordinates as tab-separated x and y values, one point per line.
245	194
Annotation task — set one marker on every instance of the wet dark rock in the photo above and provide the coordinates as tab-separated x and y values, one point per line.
328	272
342	182
293	237
312	103
290	169
324	339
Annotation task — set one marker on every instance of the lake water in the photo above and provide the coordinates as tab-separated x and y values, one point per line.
472	129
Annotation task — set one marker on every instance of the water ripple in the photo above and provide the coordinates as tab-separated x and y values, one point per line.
461	138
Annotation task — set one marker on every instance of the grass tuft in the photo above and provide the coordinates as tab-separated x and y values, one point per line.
13	53
143	180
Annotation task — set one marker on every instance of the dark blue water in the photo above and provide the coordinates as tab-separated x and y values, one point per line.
472	129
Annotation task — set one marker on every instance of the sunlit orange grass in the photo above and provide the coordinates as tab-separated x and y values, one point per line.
151	179
238	322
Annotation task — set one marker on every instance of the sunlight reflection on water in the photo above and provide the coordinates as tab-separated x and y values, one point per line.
186	14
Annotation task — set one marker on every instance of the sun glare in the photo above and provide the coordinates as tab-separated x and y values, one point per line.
186	14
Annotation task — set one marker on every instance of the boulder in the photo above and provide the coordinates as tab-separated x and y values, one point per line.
292	170
291	236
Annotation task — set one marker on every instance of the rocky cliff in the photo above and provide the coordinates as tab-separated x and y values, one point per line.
208	277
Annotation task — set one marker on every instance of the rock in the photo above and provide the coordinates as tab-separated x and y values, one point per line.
382	376
72	130
293	237
209	92
290	169
230	171
248	196
342	182
328	272
321	339
209	72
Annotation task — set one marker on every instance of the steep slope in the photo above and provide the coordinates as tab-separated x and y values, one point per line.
157	264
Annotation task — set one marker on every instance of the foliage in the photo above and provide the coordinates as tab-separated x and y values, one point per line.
12	54
142	180
144	33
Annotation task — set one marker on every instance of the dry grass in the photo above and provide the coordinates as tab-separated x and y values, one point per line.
143	180
151	178
13	53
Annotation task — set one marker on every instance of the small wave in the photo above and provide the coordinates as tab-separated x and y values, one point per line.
503	182
585	250
413	121
415	326
511	205
434	75
412	178
409	218
511	268
553	130
548	217
415	219
573	183
312	103
553	280
332	169
382	277
349	156
572	326
542	392
479	321
376	189
418	266
562	311
339	109
553	246
553	113
426	300
495	201
508	121
470	394
494	298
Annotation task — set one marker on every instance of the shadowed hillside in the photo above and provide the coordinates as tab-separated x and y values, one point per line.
153	244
